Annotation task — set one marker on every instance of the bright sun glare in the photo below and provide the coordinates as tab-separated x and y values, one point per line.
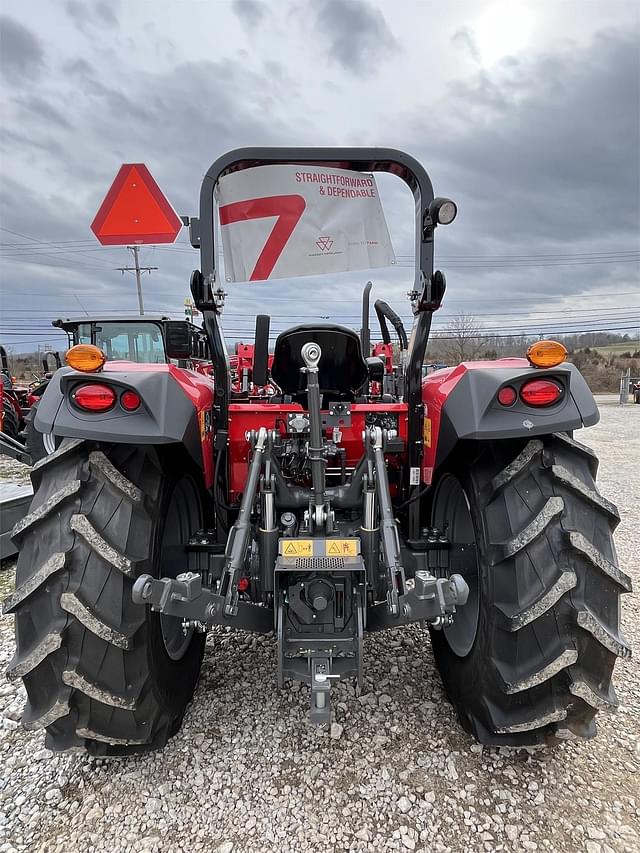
502	29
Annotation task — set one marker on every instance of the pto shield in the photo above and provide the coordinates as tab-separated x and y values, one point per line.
285	221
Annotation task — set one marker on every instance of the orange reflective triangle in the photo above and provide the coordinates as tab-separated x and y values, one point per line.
135	210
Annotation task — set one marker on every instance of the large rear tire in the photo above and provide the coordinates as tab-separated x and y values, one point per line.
10	424
102	673
531	659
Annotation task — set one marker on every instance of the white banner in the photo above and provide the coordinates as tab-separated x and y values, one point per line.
288	221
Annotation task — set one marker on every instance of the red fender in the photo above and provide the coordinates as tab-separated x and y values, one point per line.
436	388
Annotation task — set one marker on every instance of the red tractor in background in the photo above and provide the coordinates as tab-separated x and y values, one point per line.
326	494
16	403
14	400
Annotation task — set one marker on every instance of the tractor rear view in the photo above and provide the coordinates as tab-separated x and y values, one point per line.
327	494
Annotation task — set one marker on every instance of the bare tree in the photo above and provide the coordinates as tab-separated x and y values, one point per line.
463	341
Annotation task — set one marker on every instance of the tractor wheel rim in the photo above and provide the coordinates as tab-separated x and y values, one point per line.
182	519
49	442
451	507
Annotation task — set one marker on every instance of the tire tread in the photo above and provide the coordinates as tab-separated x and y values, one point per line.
85	651
548	650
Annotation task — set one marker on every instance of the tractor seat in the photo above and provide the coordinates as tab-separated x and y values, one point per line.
342	369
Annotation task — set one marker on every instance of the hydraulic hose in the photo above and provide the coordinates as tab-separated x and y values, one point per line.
383	310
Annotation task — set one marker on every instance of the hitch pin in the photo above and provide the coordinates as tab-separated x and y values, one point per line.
321	677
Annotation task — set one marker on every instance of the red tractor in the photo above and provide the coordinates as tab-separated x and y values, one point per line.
348	499
14	401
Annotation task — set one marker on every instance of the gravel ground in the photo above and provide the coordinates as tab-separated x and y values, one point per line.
396	772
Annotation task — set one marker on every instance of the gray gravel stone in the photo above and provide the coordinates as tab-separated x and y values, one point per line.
336	731
404	805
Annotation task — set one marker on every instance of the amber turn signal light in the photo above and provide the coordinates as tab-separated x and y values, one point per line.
546	354
85	357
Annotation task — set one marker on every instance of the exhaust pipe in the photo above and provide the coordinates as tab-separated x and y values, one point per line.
365	336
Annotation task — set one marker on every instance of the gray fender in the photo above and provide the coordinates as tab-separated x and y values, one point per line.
166	415
471	411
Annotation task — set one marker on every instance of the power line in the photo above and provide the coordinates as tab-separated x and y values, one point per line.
12	326
64	262
533	256
34	239
533	316
400	256
498	265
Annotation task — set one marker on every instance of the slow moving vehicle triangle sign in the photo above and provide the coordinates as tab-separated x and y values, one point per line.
135	210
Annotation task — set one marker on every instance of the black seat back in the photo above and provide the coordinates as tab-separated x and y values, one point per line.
342	369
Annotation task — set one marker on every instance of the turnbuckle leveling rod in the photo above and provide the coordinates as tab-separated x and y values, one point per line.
311	354
388	529
240	533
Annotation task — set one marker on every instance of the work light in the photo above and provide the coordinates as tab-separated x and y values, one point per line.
443	211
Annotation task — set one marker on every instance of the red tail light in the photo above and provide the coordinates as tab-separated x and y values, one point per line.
94	397
540	392
130	401
507	396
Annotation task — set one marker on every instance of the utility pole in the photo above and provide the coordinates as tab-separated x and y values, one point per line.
137	269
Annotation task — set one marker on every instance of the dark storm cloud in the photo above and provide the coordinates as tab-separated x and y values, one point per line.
251	13
357	33
45	111
202	109
14	139
542	157
21	52
97	14
178	122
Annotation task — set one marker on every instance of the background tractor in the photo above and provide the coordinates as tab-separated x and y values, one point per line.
353	496
138	339
13	398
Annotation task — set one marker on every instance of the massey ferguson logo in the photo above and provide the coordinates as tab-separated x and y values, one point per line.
324	244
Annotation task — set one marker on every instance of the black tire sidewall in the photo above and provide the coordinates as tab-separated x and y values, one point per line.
466	678
11	425
173	680
34	439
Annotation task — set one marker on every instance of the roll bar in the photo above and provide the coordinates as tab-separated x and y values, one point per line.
356	159
428	288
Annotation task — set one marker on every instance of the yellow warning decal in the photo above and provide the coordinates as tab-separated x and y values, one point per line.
341	547
297	548
320	547
426	432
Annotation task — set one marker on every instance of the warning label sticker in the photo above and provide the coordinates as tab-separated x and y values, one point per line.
426	432
319	547
297	548
341	548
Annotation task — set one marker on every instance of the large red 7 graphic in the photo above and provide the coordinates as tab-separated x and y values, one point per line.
288	209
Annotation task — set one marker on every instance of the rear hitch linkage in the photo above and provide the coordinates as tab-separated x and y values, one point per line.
430	599
320	611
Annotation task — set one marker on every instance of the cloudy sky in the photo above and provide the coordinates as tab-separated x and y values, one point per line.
526	113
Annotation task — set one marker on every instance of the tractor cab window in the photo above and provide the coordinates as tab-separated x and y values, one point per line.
141	342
